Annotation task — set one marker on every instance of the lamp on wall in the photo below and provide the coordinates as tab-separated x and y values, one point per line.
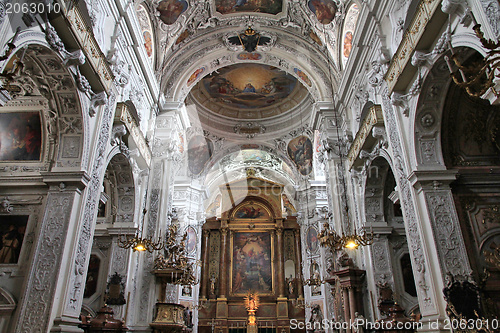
478	77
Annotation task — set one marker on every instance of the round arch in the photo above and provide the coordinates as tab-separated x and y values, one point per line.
46	86
290	53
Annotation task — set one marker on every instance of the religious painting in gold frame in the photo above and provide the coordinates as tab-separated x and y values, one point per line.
252	267
253	211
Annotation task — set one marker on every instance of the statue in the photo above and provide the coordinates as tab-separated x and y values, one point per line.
289	282
316	319
188	317
213	280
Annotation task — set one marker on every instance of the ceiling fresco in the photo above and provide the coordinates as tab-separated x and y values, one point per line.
324	10
249	91
258	6
170	10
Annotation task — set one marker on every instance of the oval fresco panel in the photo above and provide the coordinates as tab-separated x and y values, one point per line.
147	30
303	76
259	6
249	86
300	151
196	74
349	28
191	240
312	239
170	10
200	150
324	10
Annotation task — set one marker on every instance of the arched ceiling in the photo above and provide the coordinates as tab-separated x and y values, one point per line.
255	97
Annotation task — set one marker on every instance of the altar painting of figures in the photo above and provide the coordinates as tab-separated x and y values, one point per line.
199	152
252	210
252	263
20	136
12	230
300	151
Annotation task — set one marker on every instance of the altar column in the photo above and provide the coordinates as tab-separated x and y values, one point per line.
222	309
205	251
298	268
281	268
223	266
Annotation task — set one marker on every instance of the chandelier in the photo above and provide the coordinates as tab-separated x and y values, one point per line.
478	77
138	242
175	261
329	238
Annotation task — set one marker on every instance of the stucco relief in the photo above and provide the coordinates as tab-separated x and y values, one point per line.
41	282
448	235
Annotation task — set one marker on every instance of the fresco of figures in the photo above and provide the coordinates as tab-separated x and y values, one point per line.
200	151
300	151
324	10
249	86
170	10
259	6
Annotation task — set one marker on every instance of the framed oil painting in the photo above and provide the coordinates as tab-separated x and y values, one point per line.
12	230
324	10
312	240
300	151
170	10
92	276
237	6
20	136
252	263
191	240
253	211
200	151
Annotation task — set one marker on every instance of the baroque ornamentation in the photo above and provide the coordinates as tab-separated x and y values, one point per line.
419	261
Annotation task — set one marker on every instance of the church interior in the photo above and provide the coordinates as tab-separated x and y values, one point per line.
260	166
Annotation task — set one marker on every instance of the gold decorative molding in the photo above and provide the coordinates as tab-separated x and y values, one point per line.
124	115
427	21
87	42
362	139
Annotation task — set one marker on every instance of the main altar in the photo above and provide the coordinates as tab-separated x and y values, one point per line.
250	248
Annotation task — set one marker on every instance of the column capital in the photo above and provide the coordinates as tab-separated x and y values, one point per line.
63	180
432	179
